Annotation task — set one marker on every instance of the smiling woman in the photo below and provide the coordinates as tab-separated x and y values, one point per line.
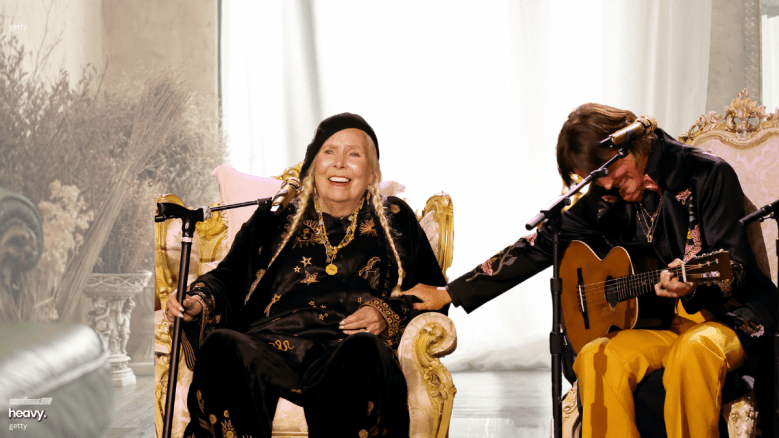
303	306
343	170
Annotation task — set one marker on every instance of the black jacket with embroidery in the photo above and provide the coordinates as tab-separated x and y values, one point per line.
294	304
684	174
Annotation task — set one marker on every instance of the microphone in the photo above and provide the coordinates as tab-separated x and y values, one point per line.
759	214
288	192
642	127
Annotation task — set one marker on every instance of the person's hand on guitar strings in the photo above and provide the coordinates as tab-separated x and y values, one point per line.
670	285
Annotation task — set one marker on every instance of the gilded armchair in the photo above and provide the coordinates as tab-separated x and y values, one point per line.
748	139
427	338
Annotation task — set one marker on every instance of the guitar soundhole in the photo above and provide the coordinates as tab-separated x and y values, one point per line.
612	291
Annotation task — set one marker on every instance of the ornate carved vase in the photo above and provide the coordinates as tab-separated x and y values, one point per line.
112	298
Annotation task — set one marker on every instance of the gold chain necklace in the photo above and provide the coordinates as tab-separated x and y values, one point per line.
650	224
331	251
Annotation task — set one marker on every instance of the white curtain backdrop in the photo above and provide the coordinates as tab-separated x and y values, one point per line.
465	97
770	40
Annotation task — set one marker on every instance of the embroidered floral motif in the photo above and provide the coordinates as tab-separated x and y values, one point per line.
307	234
486	267
283	346
531	239
392	318
693	246
368	228
227	429
726	286
310	278
212	418
611	199
395	209
371	272
683	195
752	329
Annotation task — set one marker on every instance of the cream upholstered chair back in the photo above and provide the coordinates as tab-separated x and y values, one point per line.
427	338
747	137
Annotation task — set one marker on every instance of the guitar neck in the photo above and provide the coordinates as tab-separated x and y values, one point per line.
633	286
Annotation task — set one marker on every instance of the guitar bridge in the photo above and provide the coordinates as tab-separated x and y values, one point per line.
582	299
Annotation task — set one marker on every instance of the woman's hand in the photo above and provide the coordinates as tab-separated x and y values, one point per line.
670	285
188	312
366	319
433	298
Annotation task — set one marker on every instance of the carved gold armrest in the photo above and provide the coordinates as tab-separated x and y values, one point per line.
741	417
572	422
431	391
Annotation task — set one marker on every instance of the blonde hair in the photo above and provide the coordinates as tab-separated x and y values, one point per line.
375	198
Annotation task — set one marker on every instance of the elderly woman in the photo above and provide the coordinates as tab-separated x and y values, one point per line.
305	305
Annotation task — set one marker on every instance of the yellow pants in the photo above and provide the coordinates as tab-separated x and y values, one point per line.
696	358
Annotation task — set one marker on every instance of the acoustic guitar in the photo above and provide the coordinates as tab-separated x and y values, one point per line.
602	295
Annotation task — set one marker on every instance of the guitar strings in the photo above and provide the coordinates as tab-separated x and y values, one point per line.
636	281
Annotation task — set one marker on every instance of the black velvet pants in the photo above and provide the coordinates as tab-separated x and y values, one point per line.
356	389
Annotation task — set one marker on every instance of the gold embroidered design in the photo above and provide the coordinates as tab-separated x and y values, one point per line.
259	274
370	407
359	300
308	234
363	432
321	317
201	420
296	391
227	414
306	261
392	318
310	278
371	274
395	209
297	268
312	303
368	227
323	306
273	301
212	418
227	429
283	346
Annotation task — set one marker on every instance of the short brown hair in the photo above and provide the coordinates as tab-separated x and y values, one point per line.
578	143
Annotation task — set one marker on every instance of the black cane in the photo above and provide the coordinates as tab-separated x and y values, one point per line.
189	219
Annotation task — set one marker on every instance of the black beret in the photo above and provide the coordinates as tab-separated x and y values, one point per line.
330	126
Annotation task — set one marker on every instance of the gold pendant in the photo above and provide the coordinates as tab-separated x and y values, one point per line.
331	269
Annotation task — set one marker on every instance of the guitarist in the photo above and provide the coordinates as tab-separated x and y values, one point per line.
683	202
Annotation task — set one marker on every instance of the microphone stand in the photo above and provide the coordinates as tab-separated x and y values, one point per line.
763	214
189	219
552	215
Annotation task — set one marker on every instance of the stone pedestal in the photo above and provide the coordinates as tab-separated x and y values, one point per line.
141	346
112	298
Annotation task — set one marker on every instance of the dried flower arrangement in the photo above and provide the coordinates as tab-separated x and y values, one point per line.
87	157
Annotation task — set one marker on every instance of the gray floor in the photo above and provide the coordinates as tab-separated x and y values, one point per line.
502	404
